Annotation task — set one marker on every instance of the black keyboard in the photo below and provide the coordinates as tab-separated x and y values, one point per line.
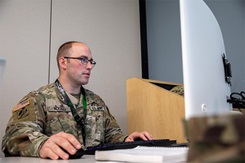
127	145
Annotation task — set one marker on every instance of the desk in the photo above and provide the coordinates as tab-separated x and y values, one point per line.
84	159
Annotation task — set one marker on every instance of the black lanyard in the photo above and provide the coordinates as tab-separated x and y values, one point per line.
80	120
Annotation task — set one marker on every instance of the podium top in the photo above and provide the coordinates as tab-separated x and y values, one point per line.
162	82
178	88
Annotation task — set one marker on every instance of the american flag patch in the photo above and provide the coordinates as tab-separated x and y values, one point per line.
21	105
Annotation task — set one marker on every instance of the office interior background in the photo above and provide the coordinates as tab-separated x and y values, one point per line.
31	32
164	38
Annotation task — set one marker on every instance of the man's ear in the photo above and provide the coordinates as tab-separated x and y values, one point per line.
62	62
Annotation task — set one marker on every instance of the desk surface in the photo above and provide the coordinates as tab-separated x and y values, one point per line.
85	159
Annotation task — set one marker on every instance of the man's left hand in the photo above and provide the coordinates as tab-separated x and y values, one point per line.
139	135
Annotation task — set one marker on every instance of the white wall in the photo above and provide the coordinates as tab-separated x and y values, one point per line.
24	31
29	41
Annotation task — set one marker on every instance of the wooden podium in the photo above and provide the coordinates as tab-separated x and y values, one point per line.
152	107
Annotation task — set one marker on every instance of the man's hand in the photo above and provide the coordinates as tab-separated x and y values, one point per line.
52	147
139	135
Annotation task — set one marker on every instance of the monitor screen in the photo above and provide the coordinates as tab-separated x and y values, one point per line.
207	87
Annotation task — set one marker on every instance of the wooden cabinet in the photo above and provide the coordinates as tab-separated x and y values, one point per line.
152	107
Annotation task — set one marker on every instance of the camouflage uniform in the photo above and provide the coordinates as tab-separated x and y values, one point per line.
178	89
216	139
44	112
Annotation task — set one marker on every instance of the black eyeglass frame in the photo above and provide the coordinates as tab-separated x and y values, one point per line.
83	60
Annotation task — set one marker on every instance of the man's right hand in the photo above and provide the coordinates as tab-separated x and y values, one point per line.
52	148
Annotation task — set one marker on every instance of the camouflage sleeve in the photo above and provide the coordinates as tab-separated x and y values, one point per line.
23	135
113	132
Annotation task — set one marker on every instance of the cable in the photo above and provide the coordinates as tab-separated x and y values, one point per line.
237	100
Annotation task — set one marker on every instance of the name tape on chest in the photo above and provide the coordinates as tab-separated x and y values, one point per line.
98	108
58	109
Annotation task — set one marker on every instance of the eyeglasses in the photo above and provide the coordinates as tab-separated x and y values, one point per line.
84	60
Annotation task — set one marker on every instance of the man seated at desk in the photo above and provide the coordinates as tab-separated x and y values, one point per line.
63	115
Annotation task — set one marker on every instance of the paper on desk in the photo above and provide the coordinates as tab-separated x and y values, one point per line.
145	154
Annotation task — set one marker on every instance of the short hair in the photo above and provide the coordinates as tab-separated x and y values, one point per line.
64	50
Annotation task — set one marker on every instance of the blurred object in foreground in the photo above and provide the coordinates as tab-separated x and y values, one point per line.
216	139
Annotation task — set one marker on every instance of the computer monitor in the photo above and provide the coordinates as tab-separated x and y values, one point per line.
206	70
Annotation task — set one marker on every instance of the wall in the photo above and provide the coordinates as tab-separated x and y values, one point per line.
24	41
164	40
32	30
231	17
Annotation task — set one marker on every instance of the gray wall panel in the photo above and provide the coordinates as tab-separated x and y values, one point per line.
24	43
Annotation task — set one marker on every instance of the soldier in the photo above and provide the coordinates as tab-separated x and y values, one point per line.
63	115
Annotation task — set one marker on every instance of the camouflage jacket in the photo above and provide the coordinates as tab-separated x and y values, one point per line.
44	112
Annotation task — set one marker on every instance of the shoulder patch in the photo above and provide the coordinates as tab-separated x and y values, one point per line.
21	105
